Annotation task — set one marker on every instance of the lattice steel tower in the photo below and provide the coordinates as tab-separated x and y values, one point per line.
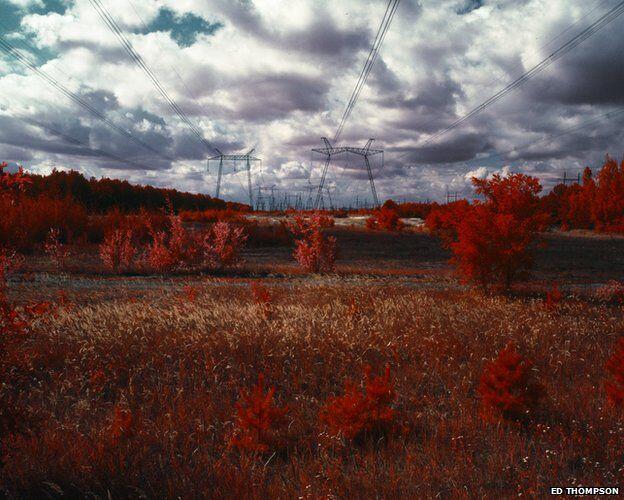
248	158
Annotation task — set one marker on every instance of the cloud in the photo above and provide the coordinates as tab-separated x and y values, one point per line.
277	75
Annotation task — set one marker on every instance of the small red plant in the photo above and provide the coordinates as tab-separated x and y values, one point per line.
507	390
55	250
224	244
259	421
314	251
121	424
357	412
190	294
615	368
117	250
553	297
263	297
385	219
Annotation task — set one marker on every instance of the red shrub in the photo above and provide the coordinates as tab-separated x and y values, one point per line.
224	244
172	248
314	251
493	241
553	297
443	221
506	388
118	251
615	368
385	219
55	250
356	413
259	422
121	424
263	298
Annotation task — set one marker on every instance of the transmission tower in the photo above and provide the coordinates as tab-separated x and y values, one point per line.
330	151
247	158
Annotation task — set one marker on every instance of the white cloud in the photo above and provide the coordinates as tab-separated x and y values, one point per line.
278	75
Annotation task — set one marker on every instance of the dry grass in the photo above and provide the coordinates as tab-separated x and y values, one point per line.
138	398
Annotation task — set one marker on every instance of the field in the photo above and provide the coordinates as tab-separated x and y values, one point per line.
136	385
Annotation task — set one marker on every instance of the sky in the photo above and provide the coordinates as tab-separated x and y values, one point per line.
276	75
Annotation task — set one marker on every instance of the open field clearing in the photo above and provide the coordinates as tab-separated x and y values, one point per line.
578	261
133	385
130	397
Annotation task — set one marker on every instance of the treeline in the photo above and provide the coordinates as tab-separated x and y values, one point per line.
597	203
104	195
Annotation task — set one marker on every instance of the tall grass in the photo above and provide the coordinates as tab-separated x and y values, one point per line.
140	398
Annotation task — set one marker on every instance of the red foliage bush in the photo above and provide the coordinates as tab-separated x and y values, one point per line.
170	249
259	422
117	251
615	369
385	219
507	390
263	297
55	250
314	251
553	297
357	413
224	244
493	241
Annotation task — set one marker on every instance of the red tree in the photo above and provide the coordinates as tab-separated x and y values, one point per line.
387	218
506	388
608	197
259	422
356	413
314	251
493	240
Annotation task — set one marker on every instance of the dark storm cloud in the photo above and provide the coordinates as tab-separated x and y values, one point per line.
430	107
383	79
593	73
272	96
321	37
461	147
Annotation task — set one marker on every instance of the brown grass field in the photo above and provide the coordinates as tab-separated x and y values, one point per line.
131	383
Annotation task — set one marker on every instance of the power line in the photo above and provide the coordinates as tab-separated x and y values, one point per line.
138	60
542	48
10	50
596	26
547	140
372	56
